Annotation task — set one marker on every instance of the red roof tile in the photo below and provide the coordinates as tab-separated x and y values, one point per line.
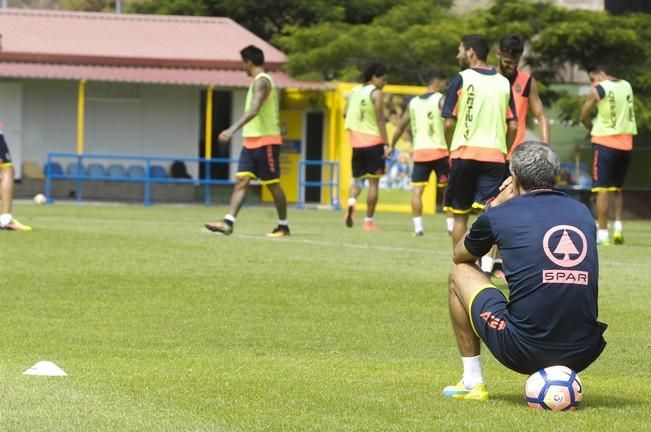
131	48
104	38
159	75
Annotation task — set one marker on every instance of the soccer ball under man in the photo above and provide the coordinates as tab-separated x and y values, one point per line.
556	388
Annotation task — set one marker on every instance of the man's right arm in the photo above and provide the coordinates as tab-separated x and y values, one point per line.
536	107
477	242
449	109
261	89
400	129
586	111
511	121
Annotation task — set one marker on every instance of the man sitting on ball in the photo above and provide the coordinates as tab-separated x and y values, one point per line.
548	244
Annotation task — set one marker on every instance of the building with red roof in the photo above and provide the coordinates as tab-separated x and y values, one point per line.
140	81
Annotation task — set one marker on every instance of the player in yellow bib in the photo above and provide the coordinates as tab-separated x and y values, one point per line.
7	221
261	147
480	124
430	152
368	136
612	138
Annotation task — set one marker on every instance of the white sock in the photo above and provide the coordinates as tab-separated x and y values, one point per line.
487	264
418	224
602	234
449	222
5	219
472	372
352	202
282	222
230	218
368	219
617	226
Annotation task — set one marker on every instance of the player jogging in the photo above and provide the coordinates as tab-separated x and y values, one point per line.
477	106
368	136
548	243
612	139
261	147
430	148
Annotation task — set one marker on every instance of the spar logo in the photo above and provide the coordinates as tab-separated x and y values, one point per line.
566	246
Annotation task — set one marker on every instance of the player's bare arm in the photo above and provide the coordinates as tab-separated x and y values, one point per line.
586	111
261	90
536	107
450	124
378	101
511	132
400	129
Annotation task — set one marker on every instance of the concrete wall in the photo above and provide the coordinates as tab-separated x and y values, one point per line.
143	120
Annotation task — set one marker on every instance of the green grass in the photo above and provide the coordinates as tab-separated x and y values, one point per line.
162	327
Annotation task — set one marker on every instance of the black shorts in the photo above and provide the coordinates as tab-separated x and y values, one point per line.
492	323
422	170
5	156
368	162
260	163
609	168
471	184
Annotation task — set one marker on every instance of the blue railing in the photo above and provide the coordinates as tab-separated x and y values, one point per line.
147	179
332	183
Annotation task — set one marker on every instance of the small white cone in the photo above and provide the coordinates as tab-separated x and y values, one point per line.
45	368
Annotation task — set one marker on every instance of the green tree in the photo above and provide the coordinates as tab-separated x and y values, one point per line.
563	40
267	18
412	37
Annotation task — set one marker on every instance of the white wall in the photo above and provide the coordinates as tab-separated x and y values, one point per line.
239	97
158	121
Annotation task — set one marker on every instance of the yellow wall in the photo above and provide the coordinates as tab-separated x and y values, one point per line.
338	148
291	126
294	104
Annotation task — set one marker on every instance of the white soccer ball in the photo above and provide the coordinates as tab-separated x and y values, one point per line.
556	388
40	199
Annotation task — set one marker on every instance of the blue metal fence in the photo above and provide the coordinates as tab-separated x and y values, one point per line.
79	174
332	183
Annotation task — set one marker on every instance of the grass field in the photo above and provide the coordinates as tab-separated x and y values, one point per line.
162	327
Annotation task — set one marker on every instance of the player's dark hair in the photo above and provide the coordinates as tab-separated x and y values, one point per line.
597	68
535	164
253	54
434	75
375	69
479	45
512	45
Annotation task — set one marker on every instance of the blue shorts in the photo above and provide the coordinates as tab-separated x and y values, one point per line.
260	163
422	170
5	156
511	346
471	184
368	162
609	168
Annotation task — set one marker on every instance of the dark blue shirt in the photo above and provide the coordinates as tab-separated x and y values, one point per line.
548	244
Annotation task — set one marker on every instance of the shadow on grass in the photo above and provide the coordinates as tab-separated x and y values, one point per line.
588	402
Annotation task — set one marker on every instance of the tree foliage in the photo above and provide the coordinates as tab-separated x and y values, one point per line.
336	39
267	18
407	37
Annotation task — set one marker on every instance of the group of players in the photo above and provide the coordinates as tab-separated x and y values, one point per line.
473	137
465	135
